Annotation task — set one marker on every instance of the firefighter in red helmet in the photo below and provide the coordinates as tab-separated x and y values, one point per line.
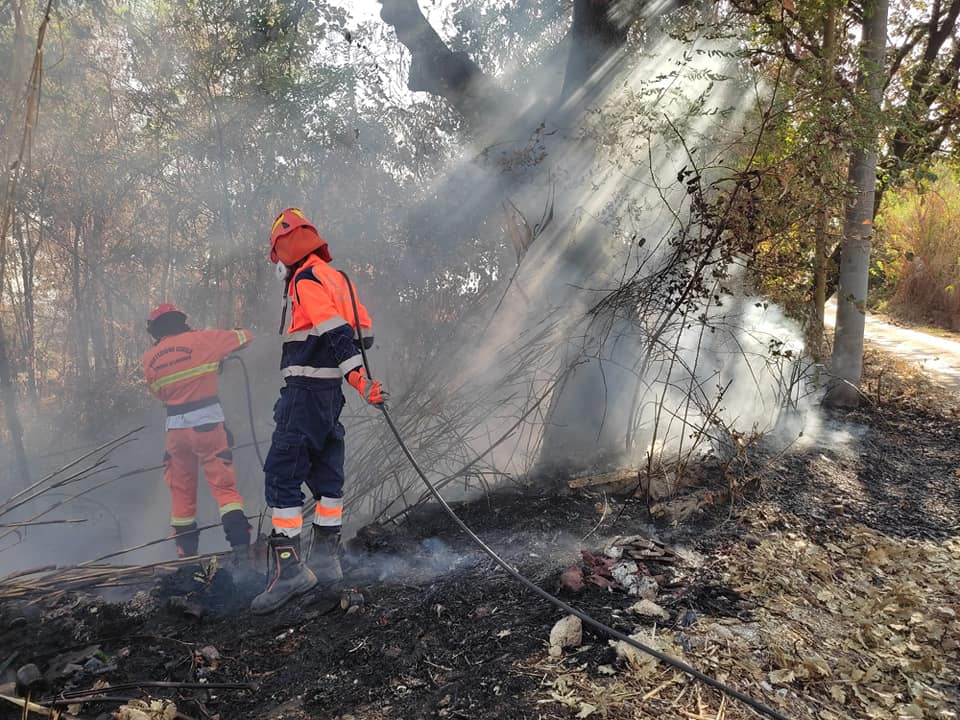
320	348
181	371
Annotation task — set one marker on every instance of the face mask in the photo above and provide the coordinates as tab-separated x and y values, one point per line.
281	271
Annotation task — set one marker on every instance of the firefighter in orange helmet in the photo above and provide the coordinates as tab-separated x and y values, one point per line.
320	348
181	371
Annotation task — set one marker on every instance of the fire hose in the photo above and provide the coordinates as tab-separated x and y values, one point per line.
529	584
250	418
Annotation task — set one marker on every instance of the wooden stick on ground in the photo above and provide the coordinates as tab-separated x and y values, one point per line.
31	707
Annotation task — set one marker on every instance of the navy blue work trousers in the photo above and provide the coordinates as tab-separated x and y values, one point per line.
307	445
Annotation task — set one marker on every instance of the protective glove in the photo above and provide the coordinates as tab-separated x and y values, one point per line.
370	390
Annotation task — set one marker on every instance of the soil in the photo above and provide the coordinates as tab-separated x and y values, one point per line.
433	629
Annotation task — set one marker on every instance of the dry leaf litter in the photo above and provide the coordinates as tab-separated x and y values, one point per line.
860	625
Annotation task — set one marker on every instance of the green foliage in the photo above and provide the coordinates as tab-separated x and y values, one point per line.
819	119
170	135
796	162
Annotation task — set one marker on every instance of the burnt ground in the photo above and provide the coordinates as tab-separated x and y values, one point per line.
434	629
438	636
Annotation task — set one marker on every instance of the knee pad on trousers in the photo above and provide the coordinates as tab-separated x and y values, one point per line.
187	539
236	528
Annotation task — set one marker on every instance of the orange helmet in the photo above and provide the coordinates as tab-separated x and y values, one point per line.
293	237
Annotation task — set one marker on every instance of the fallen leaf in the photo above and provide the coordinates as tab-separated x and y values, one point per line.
817	664
648	608
566	632
907	712
781	677
640	662
586	710
142	710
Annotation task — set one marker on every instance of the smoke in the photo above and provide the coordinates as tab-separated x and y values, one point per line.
636	378
428	559
427	228
420	561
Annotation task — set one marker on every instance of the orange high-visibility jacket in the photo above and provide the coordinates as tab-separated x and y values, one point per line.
320	342
181	370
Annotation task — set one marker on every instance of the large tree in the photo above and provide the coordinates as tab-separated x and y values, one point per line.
921	89
594	412
918	121
577	432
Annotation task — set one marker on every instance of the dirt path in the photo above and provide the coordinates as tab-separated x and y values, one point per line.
938	356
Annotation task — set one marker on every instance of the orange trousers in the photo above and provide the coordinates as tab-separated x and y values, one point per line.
209	446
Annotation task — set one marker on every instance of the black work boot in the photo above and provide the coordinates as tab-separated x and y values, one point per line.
324	555
187	539
240	562
236	528
288	576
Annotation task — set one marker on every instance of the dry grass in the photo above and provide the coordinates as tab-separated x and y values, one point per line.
927	294
924	228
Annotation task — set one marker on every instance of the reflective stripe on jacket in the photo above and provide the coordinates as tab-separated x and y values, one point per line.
320	343
182	369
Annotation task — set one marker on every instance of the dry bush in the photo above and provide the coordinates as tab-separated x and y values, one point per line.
924	225
889	380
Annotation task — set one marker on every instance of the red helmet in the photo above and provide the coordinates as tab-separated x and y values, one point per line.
293	237
159	328
163	309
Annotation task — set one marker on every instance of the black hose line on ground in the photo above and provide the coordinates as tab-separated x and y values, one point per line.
529	584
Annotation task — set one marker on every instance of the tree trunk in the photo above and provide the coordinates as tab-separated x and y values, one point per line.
95	309
435	68
847	365
82	366
820	260
26	257
595	36
8	395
